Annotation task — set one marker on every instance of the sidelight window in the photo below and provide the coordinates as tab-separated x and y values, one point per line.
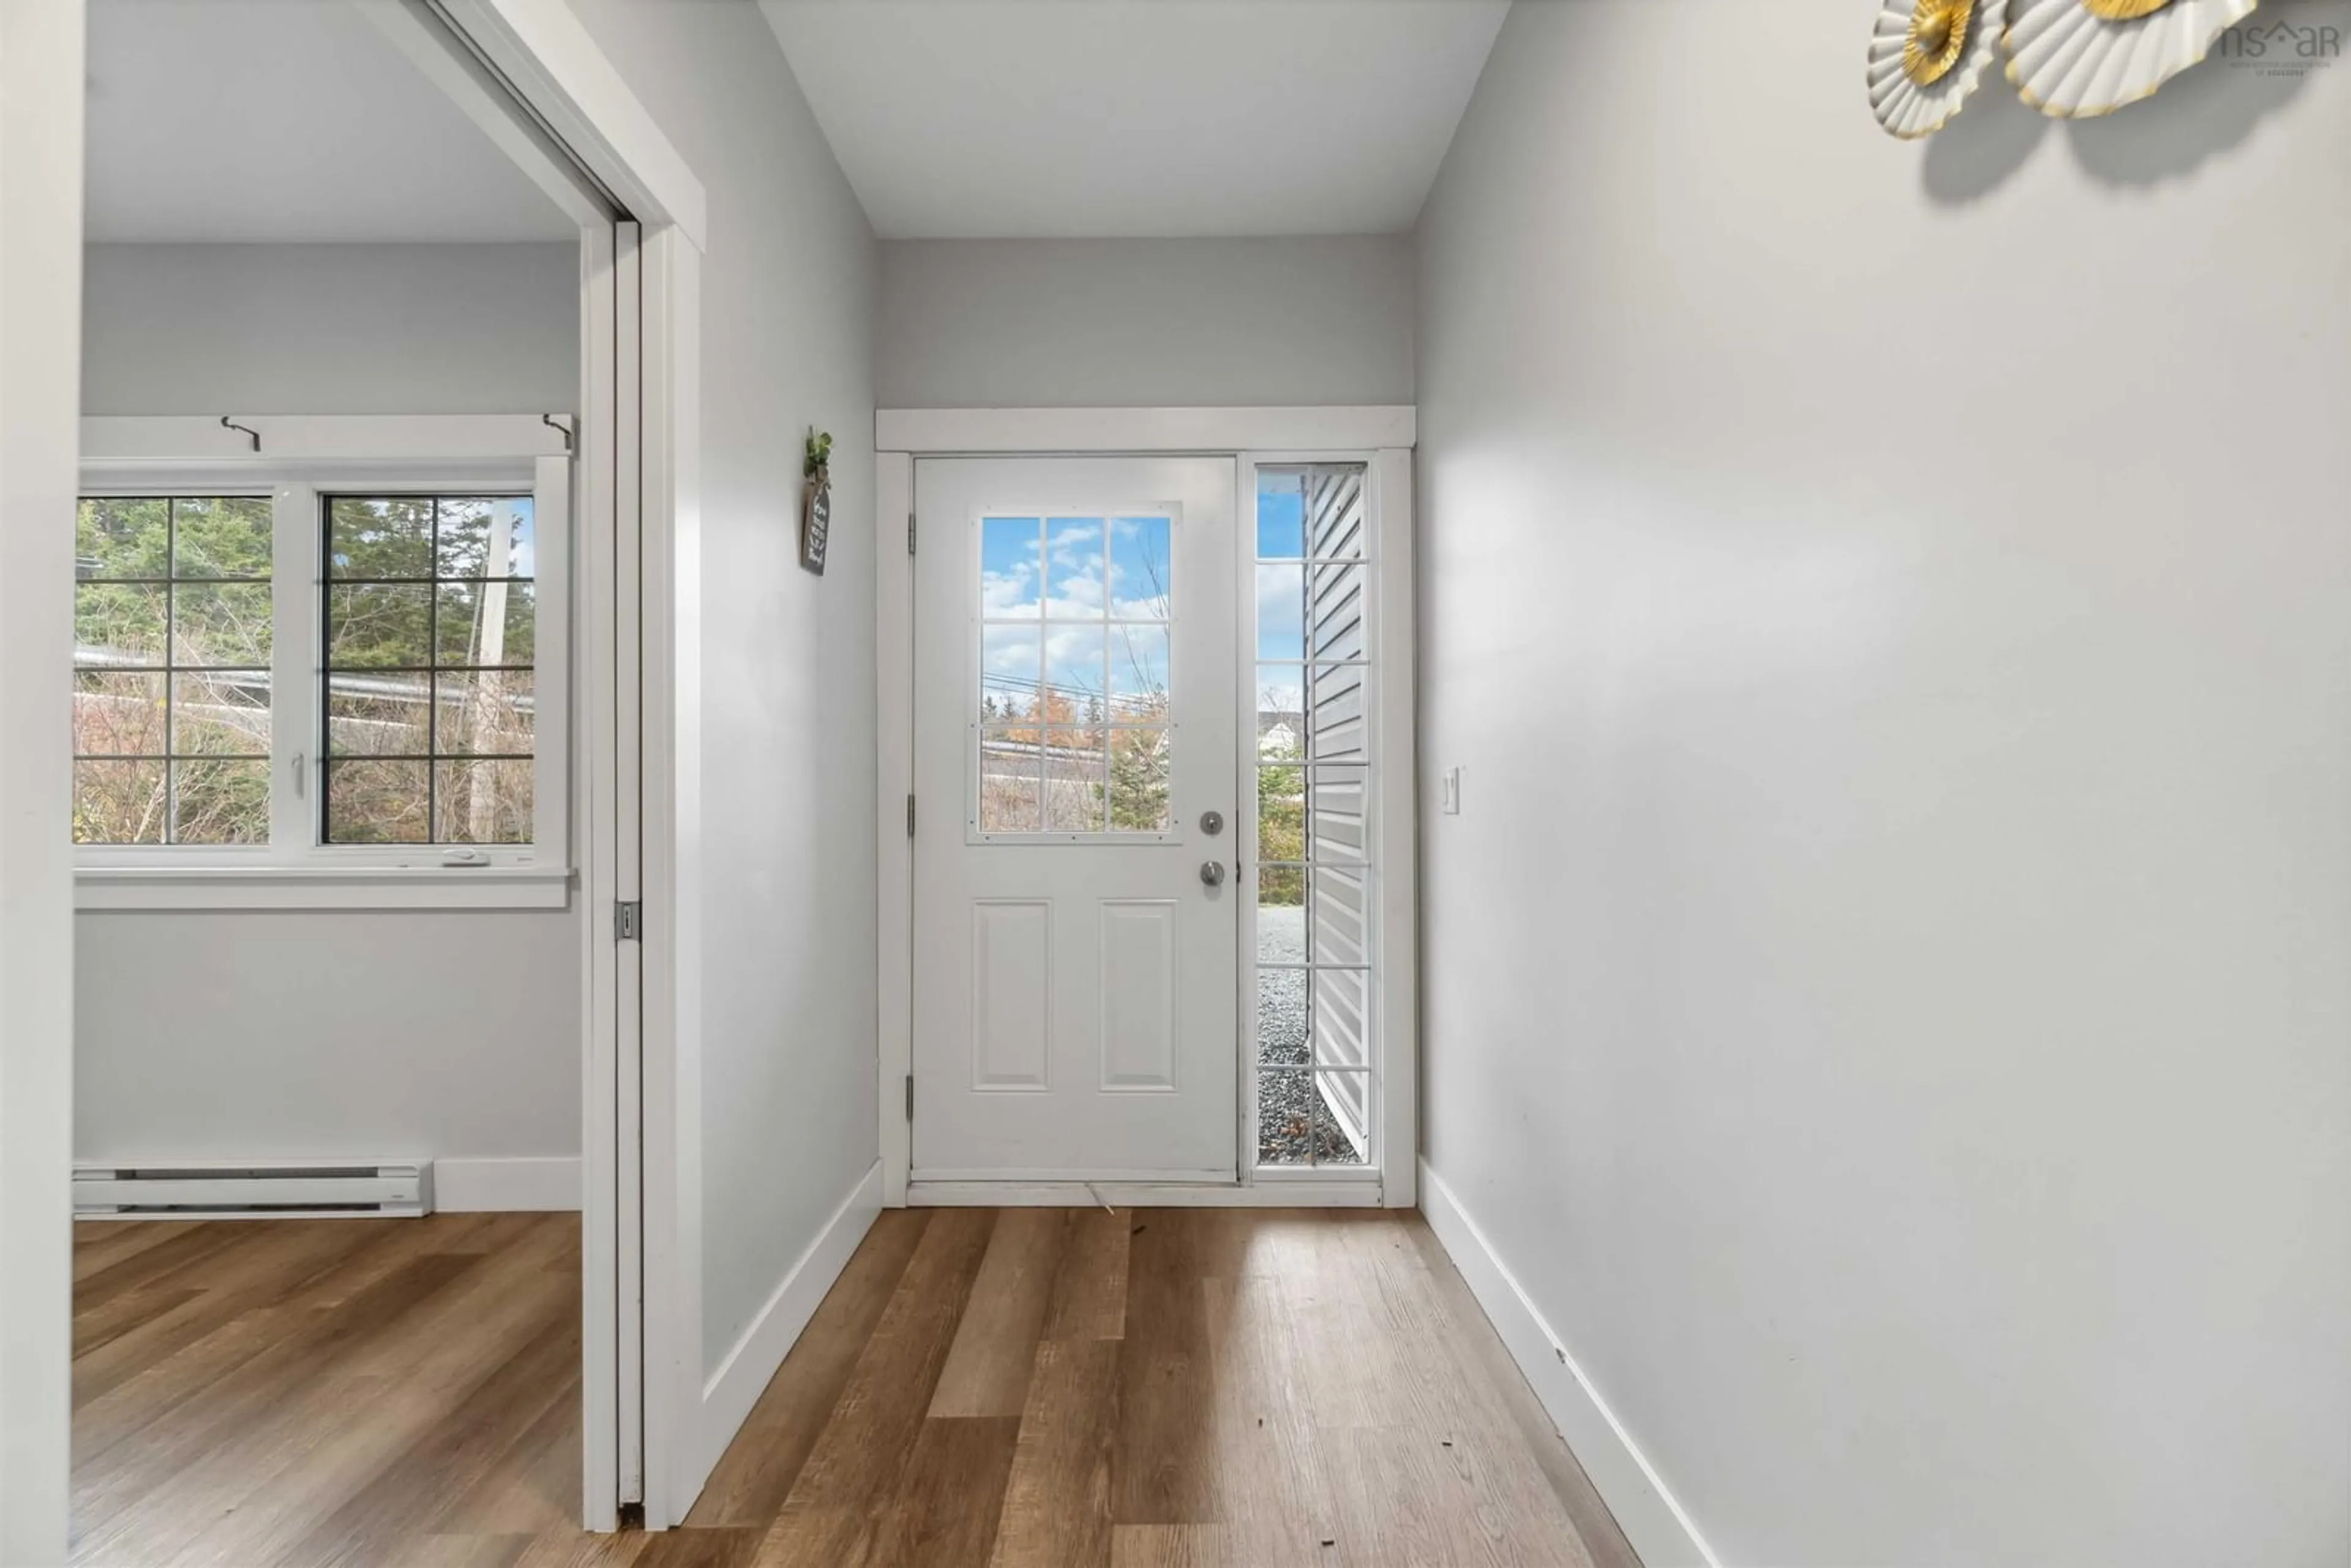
1314	866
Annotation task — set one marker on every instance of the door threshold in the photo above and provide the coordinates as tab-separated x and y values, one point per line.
1341	1194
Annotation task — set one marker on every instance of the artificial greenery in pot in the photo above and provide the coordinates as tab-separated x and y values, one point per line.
816	504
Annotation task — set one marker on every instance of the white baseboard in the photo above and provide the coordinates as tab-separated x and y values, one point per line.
546	1184
731	1390
1645	1508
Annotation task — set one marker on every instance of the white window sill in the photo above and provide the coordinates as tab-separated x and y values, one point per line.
321	887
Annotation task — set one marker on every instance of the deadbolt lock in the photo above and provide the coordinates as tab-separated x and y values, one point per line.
1212	822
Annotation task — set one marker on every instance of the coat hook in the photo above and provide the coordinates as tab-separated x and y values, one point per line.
228	423
559	428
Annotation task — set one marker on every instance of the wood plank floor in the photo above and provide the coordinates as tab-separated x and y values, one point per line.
1017	1388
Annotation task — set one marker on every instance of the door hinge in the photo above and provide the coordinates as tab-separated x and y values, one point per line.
910	1096
910	816
910	533
628	920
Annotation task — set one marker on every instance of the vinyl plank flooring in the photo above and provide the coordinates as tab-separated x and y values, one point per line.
1027	1388
1056	1499
751	1481
1278	1504
525	1404
1171	1546
995	1345
950	1496
1164	1471
326	1372
279	1468
1595	1527
832	1513
101	1244
1089	1297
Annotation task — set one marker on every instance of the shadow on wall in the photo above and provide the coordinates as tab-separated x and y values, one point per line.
2206	110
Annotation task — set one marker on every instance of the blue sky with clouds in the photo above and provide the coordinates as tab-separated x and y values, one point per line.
1050	587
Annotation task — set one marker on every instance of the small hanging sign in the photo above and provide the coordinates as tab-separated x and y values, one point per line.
816	501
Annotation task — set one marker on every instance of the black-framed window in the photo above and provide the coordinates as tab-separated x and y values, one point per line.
430	639
172	666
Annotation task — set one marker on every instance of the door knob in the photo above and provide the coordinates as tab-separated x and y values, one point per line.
1212	873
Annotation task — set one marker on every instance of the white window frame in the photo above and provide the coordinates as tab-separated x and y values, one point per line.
1380	536
298	460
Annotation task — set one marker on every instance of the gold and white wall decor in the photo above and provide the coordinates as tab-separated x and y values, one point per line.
2074	58
1926	56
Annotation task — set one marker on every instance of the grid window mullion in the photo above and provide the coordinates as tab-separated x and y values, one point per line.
432	683
170	670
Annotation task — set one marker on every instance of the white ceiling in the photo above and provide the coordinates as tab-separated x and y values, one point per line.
285	120
988	118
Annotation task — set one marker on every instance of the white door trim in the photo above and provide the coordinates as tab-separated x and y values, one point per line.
1156	432
41	89
542	52
1382	436
583	137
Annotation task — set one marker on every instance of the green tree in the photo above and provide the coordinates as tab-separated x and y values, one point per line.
1282	833
1138	781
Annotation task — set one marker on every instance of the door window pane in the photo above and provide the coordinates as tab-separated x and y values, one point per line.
1138	782
1011	796
1142	568
1011	569
1075	733
1076	567
1138	674
1011	665
1075	788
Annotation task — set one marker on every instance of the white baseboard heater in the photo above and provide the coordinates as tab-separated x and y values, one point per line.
281	1189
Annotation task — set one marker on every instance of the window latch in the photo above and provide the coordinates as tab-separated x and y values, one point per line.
628	920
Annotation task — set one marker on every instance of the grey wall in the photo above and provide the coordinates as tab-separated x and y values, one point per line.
788	1007
1145	322
289	1036
1886	995
213	1035
330	329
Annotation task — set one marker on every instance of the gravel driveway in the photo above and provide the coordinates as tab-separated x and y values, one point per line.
1291	1115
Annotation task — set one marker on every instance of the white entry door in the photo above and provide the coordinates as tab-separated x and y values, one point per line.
1075	931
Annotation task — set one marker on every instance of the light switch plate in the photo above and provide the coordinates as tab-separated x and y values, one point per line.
1449	792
